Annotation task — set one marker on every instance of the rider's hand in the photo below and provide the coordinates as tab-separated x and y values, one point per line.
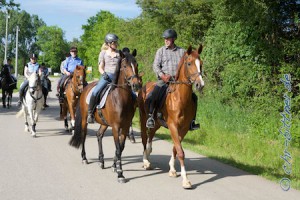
68	73
165	77
106	77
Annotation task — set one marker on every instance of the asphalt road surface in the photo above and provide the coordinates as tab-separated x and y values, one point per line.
47	168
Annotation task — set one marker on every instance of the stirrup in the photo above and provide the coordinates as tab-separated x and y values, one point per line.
150	122
91	119
194	126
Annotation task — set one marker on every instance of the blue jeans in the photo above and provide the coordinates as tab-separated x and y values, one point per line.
102	84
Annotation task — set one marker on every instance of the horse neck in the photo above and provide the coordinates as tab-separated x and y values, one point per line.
184	88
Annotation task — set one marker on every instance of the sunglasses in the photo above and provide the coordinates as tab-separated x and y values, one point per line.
74	51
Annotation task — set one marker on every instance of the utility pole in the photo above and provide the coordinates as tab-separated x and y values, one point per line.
5	51
17	45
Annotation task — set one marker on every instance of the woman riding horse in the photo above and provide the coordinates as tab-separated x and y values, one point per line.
117	112
176	111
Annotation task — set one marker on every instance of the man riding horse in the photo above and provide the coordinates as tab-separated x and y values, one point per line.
69	67
165	67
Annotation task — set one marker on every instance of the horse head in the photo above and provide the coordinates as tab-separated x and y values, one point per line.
129	70
191	64
34	82
78	77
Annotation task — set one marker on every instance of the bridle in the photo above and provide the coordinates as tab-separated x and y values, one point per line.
78	87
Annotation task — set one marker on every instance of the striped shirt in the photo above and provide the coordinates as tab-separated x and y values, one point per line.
166	60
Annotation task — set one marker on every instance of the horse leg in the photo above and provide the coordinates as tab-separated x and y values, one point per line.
172	171
117	160
25	119
100	134
34	118
176	137
83	154
3	98
131	135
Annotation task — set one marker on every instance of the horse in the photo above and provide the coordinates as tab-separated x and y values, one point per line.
32	103
8	86
177	110
73	89
117	112
45	90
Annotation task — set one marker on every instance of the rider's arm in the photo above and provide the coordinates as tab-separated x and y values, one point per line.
101	62
158	63
66	67
26	72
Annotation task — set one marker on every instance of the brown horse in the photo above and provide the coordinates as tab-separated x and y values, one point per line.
117	113
177	110
73	89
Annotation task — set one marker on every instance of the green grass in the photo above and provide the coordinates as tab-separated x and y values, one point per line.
241	137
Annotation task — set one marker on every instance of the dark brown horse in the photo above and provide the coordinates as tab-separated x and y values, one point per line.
177	110
8	86
73	90
117	113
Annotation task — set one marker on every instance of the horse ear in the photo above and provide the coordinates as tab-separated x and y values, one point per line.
190	49
134	53
122	54
200	49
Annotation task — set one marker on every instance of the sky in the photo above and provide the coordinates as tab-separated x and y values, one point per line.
70	15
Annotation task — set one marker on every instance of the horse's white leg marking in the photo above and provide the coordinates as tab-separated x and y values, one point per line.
185	181
172	171
146	155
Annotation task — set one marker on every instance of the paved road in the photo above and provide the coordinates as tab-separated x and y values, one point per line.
46	167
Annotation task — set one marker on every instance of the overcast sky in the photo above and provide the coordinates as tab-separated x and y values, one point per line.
70	15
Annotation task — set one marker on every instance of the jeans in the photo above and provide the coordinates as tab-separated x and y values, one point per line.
102	83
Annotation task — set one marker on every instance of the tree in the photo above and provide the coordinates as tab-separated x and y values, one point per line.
50	41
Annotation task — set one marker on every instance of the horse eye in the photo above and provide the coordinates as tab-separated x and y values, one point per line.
189	64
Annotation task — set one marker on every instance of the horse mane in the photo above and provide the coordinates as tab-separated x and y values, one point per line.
179	66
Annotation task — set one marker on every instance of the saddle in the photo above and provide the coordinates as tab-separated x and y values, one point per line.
101	97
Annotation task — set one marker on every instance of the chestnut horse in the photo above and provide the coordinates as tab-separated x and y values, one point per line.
73	90
177	110
117	113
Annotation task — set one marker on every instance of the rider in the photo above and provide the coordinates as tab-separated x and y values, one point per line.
108	62
10	69
31	67
69	67
62	64
46	83
165	67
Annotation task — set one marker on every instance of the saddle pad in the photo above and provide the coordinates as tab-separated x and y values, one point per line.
103	99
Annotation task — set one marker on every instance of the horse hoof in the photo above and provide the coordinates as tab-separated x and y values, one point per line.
132	139
85	162
113	169
121	180
187	185
172	174
102	165
33	135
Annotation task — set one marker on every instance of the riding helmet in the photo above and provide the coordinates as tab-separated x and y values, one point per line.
110	37
33	55
169	33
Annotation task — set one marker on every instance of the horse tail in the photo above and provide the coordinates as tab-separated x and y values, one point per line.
78	138
20	113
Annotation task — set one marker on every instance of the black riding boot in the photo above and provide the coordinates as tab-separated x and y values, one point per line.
21	94
153	102
193	125
91	118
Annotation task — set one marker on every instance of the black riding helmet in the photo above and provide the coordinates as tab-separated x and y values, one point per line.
110	37
169	33
33	56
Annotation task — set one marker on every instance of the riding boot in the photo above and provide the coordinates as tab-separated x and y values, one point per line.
153	101
193	125
91	118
